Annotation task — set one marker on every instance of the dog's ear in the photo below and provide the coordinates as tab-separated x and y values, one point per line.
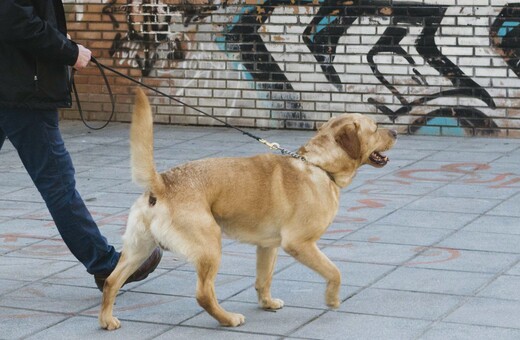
348	139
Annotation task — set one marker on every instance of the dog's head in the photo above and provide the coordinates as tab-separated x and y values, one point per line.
361	139
347	142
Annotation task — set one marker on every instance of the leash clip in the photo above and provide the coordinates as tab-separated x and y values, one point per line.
272	146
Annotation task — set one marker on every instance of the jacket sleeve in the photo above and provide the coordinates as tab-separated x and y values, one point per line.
22	28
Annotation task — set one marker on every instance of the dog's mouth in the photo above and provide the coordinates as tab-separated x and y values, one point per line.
378	159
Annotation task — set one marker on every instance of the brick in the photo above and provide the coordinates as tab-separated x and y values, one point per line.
217	80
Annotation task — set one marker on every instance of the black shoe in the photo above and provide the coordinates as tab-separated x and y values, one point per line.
140	274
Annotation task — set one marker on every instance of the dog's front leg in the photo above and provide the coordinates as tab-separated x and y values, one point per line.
265	261
310	255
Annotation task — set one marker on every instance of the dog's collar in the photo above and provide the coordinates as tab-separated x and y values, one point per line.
329	175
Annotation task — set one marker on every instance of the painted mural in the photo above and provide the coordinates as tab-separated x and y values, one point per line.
505	35
159	36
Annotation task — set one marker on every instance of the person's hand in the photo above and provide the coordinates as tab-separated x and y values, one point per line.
83	57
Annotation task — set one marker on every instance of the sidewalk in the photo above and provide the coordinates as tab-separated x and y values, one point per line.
429	247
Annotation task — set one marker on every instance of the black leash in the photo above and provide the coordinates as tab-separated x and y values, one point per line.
101	67
112	100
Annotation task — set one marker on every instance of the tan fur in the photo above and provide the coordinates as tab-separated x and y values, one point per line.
266	200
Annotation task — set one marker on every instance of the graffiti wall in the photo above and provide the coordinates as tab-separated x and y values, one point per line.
424	67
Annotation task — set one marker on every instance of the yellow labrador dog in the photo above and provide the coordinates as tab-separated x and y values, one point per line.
267	200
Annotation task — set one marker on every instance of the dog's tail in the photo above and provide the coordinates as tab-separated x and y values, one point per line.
141	146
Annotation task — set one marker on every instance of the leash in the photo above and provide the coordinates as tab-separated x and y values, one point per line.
78	102
101	67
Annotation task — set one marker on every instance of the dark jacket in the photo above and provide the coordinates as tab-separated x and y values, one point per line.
35	54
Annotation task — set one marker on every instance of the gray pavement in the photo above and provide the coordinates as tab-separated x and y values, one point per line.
429	248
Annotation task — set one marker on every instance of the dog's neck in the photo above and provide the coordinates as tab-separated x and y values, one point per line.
340	169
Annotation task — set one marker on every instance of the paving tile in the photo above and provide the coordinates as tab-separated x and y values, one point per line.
407	142
238	263
495	224
51	248
361	212
504	287
488	312
81	327
369	202
27	194
398	235
19	323
454	204
99	160
21	178
296	294
111	200
184	283
441	172
403	304
413	241
428	219
7	286
471	191
11	242
508	207
462	260
30	269
434	281
352	273
515	270
91	187
15	209
78	276
280	322
454	331
154	308
494	145
340	325
461	157
34	229
181	332
509	158
52	298
389	185
483	241
369	252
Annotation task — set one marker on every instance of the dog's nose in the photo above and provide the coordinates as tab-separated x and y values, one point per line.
393	133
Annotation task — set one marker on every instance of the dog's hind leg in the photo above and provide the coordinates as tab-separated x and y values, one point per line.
265	261
137	247
310	255
207	261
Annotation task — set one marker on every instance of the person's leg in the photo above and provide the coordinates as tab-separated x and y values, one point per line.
2	138
36	137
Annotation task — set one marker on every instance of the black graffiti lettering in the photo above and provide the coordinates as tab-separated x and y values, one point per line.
505	35
321	36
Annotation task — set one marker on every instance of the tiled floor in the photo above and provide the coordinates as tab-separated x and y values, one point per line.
428	247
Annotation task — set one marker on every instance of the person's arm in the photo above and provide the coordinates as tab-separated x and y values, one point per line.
21	27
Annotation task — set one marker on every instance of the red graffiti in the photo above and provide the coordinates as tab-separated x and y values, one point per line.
369	204
475	173
438	255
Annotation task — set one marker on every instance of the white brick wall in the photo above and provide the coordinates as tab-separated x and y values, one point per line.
459	76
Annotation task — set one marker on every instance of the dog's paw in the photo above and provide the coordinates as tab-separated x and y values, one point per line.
234	320
333	303
272	304
332	295
110	323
